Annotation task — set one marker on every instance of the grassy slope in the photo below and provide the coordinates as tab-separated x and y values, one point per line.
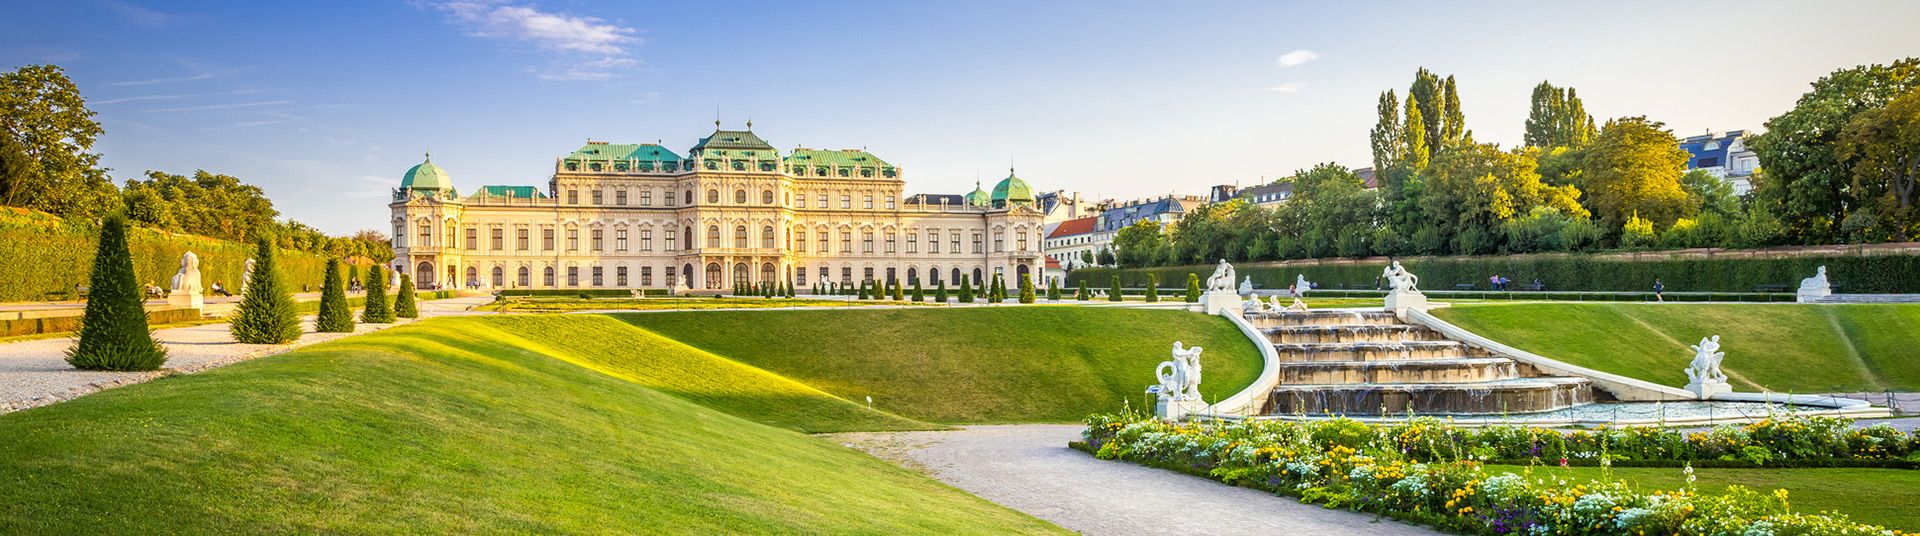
441	427
1782	347
972	364
1879	496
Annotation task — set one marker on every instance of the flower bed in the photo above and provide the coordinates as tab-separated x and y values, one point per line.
1430	472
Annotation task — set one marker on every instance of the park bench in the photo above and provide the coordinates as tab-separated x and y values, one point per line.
1772	288
76	293
1463	286
1535	286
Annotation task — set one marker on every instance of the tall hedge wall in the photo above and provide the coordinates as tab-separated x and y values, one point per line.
41	253
1862	274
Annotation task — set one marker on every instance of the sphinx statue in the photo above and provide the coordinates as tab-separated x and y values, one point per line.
186	288
1814	288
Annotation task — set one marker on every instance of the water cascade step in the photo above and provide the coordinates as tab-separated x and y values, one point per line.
1369	363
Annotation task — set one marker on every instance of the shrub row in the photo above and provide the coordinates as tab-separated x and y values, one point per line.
578	292
63	324
45	253
1864	274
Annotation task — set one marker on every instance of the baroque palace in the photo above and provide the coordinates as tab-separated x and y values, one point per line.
733	209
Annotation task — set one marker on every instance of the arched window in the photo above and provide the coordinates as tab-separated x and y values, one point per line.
740	236
499	277
766	237
473	274
525	278
956	276
766	197
688	196
976	278
713	236
713	196
740	273
767	272
546	276
740	197
713	275
913	276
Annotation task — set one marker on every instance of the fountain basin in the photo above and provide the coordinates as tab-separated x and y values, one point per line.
1455	370
1322	318
1389	351
1519	395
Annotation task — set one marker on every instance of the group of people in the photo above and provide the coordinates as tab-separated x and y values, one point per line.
1498	282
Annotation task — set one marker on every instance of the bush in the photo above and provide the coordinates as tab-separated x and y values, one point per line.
897	294
266	314
1113	293
1053	290
335	315
48	253
1026	290
918	294
1083	294
940	291
113	332
966	290
1153	288
378	310
403	299
1193	287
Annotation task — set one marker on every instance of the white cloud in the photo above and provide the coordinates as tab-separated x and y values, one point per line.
210	107
551	31
139	15
1298	57
1289	87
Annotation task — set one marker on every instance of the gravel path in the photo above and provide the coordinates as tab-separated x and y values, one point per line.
35	373
1029	468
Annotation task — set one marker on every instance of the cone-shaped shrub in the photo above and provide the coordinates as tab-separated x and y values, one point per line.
898	293
378	310
940	291
266	314
1113	294
335	315
114	334
1026	290
1053	290
1083	294
999	289
863	290
403	298
1153	288
918	294
1193	287
966	290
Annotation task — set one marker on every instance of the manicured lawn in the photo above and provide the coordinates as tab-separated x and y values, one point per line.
556	305
454	425
1879	496
971	365
1781	347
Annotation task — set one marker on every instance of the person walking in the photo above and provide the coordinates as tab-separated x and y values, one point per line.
1659	290
221	289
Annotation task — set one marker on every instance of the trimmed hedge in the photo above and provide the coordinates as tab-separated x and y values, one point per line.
47	253
1850	274
63	324
576	292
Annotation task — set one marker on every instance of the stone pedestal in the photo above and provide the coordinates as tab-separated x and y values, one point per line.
1706	390
1399	301
1810	294
1168	409
187	299
1215	301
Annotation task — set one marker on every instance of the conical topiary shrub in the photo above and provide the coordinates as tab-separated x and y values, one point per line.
1193	287
1113	294
898	293
1153	288
966	290
403	299
266	314
1083	294
1026	290
114	333
918	294
1053	290
940	292
336	316
377	310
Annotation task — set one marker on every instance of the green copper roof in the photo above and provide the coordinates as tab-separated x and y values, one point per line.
733	140
520	192
843	157
426	176
1012	190
623	151
978	197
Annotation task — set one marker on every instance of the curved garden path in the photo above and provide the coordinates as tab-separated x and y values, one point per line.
1029	468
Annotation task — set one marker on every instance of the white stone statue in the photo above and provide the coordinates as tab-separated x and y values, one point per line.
1246	286
1405	293
1399	279
1222	278
1253	305
1814	288
246	276
1180	376
1704	376
1297	306
186	284
1301	285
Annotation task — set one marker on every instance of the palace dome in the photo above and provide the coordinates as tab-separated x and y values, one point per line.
426	176
1012	190
978	197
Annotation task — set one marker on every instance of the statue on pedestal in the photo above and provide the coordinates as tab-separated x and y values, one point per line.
1814	288
186	284
1704	377
1222	278
1405	289
1246	286
1180	376
1399	279
1301	285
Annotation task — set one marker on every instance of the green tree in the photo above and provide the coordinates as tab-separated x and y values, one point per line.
898	295
1053	290
1113	293
1083	294
210	204
46	132
966	290
1140	245
1153	288
336	316
1633	169
377	309
1883	146
1708	194
404	305
1086	257
266	314
1810	188
1415	152
1558	119
1106	257
1026	290
113	331
918	294
1453	121
1385	136
940	291
1193	287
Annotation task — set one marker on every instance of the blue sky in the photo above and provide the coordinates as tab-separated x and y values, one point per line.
326	104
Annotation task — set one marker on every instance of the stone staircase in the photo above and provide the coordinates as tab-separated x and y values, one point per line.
1369	363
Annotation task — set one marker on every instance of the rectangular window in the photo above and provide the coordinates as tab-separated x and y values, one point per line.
573	197
825	246
846	201
846	241
598	196
620	239
520	239
646	240
800	277
976	243
596	277
890	248
866	242
800	201
499	239
1023	242
546	238
620	198
867	203
646	276
823	200
473	238
426	234
646	198
620	276
890	203
846	275
671	277
955	241
598	234
999	241
670	241
800	242
866	274
573	276
913	242
933	241
573	239
824	275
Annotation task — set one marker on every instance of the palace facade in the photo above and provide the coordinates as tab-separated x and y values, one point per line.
733	209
